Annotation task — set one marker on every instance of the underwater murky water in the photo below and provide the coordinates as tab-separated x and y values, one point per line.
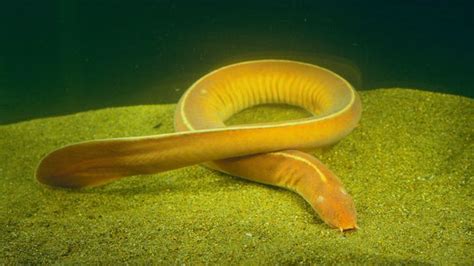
408	164
70	56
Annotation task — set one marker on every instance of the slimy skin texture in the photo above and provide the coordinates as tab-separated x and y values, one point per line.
270	153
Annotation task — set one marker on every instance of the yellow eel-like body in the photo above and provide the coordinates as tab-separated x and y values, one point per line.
270	153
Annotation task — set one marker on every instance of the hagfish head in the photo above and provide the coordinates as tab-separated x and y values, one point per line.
335	207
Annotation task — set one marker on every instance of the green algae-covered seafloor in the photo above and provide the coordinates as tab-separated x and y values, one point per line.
408	167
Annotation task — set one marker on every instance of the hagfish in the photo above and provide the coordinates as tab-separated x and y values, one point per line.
269	153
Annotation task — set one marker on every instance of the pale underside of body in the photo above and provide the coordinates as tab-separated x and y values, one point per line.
271	153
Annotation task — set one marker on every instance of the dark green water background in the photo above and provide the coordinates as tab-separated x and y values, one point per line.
61	57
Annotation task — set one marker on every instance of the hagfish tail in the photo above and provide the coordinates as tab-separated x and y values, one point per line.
270	153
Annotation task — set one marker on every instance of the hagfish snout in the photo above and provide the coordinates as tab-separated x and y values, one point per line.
336	207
